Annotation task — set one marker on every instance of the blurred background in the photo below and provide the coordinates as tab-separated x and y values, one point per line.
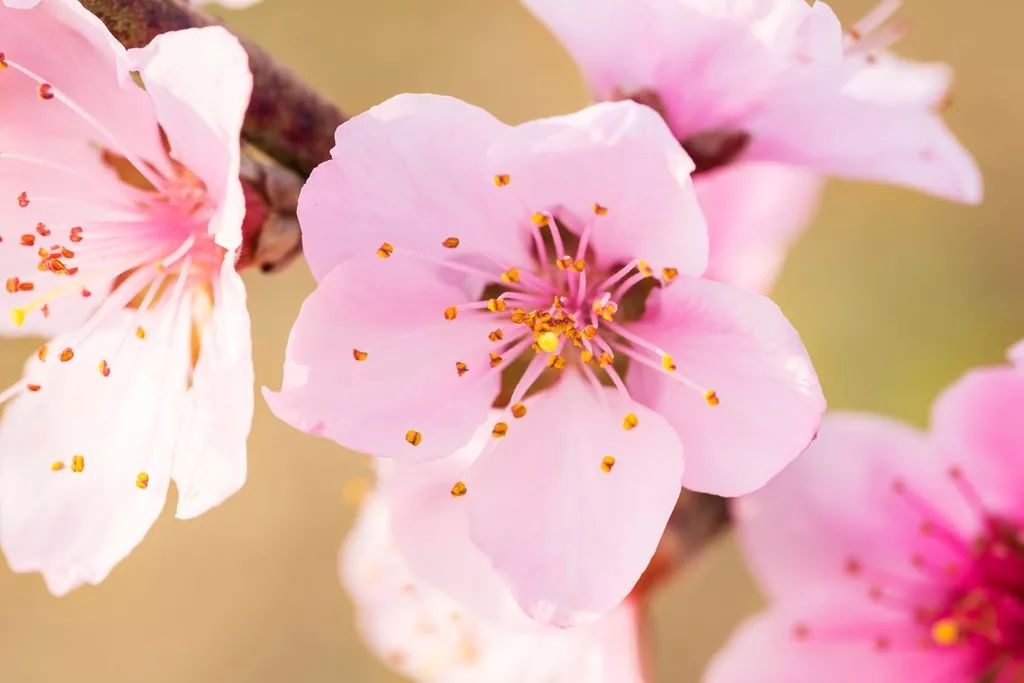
895	294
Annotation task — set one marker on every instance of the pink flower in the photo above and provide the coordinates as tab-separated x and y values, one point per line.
892	555
448	246
773	80
422	632
121	211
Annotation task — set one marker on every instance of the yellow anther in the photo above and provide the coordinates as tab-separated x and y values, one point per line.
669	274
589	331
564	263
539	219
606	359
502	179
385	250
450	243
142	480
18	316
495	359
579	266
555	361
413	437
607	463
496	305
600	210
668	363
518	315
518	410
535	347
711	397
450	313
945	632
57	466
587	357
77	463
609	311
630	421
496	335
548	341
642	266
140	332
510	275
461	368
500	430
66	355
104	368
459	489
359	355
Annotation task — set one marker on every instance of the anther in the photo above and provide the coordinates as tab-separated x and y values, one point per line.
77	463
26	287
945	632
496	359
140	332
589	331
555	361
510	275
76	234
359	355
413	437
669	274
607	463
33	387
500	430
502	179
461	368
548	341
579	266
450	243
539	219
518	410
600	210
45	91
28	240
587	357
12	284
104	368
711	397
23	200
605	359
3	61
668	363
385	250
41	353
496	305
630	421
18	316
57	466
496	335
450	313
142	480
645	269
518	315
66	355
42	230
459	489
564	263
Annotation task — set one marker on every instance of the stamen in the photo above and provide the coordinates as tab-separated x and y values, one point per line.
142	480
140	332
502	180
496	335
461	368
496	359
66	355
519	410
385	250
459	489
77	463
359	355
33	387
496	305
556	361
23	200
669	274
104	368
57	466
945	632
607	463
413	437
630	422
451	313
450	243
500	430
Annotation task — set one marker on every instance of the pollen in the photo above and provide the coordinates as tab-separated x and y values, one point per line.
45	91
555	361
140	332
500	430
945	632
385	250
461	368
67	354
519	411
496	305
669	274
668	363
711	397
450	243
451	313
496	335
104	368
502	179
459	489
18	316
510	275
142	480
359	355
539	219
57	466
548	341
413	437
607	463
630	421
33	387
77	463
496	359
600	210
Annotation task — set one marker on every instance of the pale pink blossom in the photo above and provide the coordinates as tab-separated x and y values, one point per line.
121	215
448	246
893	555
422	632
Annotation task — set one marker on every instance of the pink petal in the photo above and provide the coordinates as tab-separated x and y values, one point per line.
210	460
412	171
202	113
741	346
74	527
976	423
767	650
622	157
570	538
836	508
393	310
1016	354
754	213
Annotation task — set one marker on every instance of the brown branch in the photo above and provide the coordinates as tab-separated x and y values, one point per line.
287	120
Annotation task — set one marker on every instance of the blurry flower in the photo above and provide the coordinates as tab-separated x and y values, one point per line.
121	211
765	95
891	555
450	248
421	632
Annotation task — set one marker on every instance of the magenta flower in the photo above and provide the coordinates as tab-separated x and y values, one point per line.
776	81
562	256
890	555
425	634
122	214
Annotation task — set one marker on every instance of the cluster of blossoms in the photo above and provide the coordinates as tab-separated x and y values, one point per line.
544	332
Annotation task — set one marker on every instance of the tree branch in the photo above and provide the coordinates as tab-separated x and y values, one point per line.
287	120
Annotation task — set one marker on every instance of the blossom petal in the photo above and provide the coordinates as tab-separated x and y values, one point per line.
976	424
202	112
74	527
622	157
391	309
412	171
741	346
837	509
210	461
592	524
754	213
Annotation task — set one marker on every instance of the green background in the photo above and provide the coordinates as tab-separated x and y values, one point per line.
895	294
